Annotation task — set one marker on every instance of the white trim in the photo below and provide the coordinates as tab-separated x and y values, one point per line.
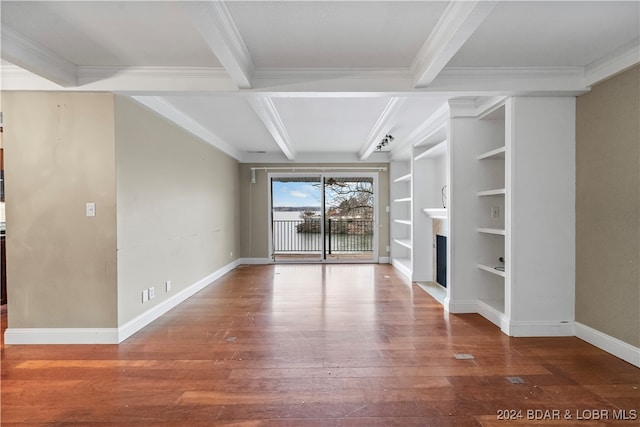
605	342
19	50
163	108
457	23
401	267
268	113
383	260
381	127
216	25
615	62
111	335
254	261
134	325
540	329
20	336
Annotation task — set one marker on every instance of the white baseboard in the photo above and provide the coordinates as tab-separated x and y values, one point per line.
20	336
612	345
110	335
540	329
255	261
134	325
383	260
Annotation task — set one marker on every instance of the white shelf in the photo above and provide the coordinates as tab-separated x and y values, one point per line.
492	231
437	213
404	199
406	177
403	242
496	192
498	153
435	151
402	221
492	270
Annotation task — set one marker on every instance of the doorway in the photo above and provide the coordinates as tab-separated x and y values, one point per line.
323	217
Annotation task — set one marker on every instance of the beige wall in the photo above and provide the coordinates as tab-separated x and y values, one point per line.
254	207
607	207
177	208
61	265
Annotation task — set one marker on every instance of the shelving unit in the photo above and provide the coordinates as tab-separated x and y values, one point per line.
401	226
514	167
425	168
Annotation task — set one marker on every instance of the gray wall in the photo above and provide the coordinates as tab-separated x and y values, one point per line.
60	154
254	206
178	208
607	207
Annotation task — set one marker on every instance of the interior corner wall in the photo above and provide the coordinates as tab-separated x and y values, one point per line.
177	208
254	206
608	207
59	155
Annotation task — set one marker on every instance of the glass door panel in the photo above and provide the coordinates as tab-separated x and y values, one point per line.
296	218
349	211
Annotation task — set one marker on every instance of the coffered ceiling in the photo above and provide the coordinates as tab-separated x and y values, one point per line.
314	81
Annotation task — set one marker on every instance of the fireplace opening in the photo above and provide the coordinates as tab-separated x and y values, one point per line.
441	260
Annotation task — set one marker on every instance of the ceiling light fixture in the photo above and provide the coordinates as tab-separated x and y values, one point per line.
385	141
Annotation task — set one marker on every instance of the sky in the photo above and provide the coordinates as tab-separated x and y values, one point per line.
291	194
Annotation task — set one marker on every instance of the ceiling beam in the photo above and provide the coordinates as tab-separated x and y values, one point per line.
266	110
215	24
457	23
380	128
162	107
27	54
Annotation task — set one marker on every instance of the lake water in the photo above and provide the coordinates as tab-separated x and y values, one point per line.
286	238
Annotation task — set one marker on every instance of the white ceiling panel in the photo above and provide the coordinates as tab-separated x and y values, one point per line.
549	34
112	33
326	34
329	124
230	118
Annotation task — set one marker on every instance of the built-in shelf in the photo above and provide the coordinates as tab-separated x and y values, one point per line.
435	151
404	199
403	242
496	192
492	231
436	213
406	177
498	153
402	221
492	270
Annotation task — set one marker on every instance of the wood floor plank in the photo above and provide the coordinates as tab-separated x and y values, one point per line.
312	345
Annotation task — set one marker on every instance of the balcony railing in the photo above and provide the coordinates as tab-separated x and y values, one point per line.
341	235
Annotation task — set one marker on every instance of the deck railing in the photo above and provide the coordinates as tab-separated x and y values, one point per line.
341	235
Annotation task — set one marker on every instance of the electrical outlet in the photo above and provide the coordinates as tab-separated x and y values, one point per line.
152	292
388	249
167	286
495	212
231	254
145	295
90	209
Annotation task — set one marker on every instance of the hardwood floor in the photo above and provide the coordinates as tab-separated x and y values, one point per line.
314	345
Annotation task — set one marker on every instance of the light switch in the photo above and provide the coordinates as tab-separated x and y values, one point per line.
91	209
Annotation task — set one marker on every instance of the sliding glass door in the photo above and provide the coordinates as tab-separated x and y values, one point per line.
323	218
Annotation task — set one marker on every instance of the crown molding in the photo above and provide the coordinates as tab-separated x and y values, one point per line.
433	124
266	110
481	81
19	50
168	111
621	59
457	23
331	73
381	127
216	25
